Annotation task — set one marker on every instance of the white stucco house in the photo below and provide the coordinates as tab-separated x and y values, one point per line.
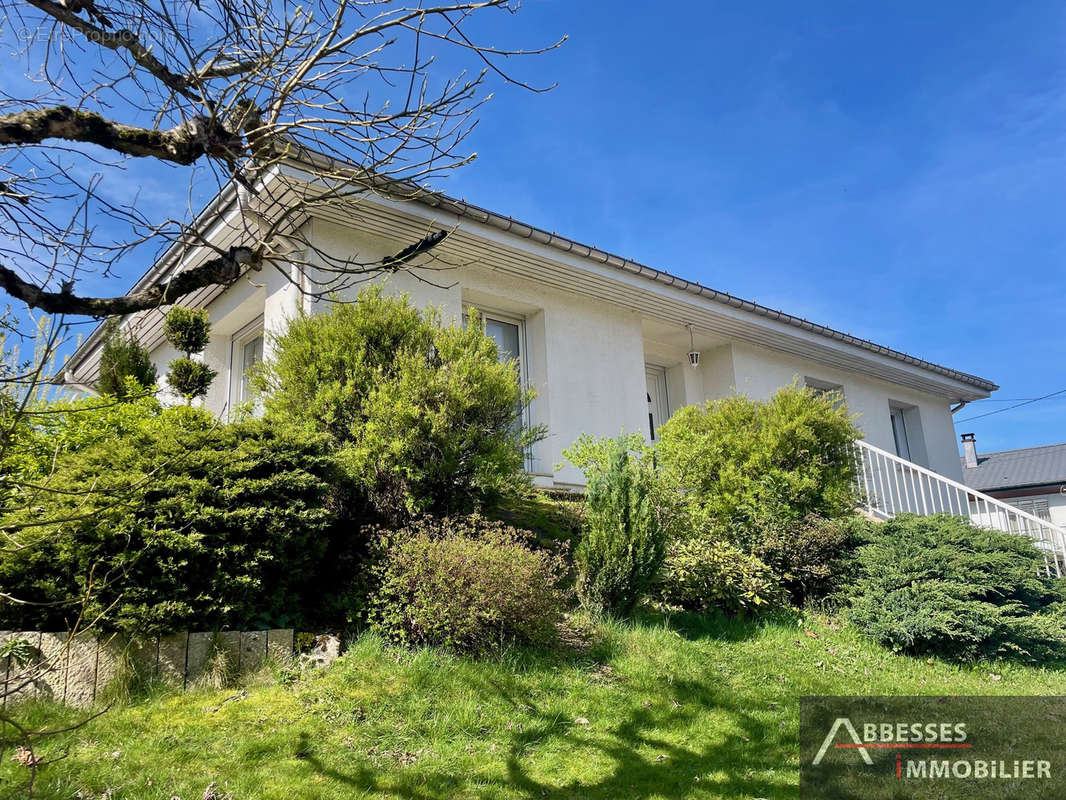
604	341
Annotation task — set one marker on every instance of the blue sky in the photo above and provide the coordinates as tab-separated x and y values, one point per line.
895	172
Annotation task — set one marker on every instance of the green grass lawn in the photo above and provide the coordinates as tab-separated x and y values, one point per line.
689	707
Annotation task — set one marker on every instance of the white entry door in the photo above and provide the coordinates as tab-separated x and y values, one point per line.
658	409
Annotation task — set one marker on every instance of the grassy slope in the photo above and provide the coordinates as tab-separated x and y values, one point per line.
695	708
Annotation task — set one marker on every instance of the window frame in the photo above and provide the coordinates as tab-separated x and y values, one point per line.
899	413
509	318
238	341
662	392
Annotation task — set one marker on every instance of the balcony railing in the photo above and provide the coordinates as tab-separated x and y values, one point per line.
890	485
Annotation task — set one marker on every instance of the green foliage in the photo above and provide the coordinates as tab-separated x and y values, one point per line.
187	329
189	378
469	585
122	360
624	540
942	586
592	454
736	461
176	522
424	418
813	558
705	574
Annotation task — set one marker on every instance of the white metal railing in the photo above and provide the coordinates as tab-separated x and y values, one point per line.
889	485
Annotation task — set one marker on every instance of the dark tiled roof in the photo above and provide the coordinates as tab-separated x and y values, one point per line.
1028	466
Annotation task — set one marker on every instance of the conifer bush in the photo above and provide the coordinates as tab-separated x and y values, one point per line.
939	585
624	539
189	524
122	360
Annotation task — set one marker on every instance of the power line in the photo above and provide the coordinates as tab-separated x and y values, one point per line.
1018	405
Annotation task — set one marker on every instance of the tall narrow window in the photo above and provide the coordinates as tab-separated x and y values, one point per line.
509	335
899	433
251	354
246	351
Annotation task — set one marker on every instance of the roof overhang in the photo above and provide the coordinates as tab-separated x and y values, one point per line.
402	213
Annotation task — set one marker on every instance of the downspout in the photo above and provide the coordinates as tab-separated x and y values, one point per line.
962	404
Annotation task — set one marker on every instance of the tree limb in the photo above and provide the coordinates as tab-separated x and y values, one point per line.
223	270
182	144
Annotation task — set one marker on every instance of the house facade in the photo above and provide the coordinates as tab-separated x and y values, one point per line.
606	343
1032	479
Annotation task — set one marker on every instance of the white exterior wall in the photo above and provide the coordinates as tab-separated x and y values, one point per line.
584	357
759	372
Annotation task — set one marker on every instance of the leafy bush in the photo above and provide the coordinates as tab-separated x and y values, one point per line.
177	522
424	418
467	584
704	574
813	558
942	586
122	359
736	461
623	542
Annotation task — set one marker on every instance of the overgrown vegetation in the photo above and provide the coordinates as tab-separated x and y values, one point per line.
467	584
423	418
941	585
736	462
703	574
188	523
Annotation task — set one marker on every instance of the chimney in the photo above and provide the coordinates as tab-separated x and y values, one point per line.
969	450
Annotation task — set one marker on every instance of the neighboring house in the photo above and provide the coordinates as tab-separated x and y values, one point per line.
606	343
1032	479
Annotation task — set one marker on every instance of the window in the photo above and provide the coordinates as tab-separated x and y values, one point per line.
657	401
822	388
246	351
509	335
899	433
1036	506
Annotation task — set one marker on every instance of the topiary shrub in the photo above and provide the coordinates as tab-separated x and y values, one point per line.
939	585
814	558
706	574
122	360
735	461
467	585
189	331
176	523
423	418
623	542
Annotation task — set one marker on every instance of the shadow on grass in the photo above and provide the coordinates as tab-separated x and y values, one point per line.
714	625
636	757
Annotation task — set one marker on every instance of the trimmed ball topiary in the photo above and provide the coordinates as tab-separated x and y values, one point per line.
187	329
